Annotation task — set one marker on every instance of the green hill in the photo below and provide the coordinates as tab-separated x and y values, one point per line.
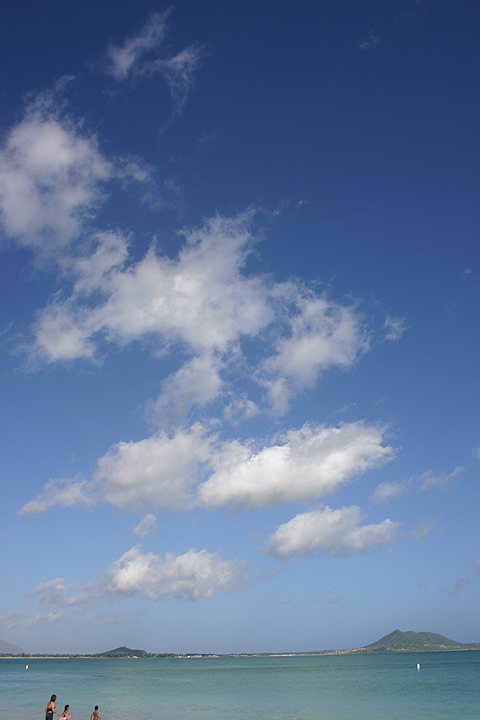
124	652
410	641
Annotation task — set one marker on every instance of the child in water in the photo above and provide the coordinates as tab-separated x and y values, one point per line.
66	714
95	715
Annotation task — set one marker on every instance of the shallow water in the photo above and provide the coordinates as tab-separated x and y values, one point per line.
340	687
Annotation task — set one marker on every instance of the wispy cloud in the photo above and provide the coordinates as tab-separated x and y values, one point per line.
388	490
457	587
370	42
140	57
129	58
422	529
59	493
145	526
475	564
431	479
179	73
394	327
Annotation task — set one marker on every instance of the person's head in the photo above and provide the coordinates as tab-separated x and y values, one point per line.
96	707
66	708
53	698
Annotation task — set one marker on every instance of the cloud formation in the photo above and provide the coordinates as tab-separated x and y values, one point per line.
203	303
388	490
307	464
128	59
193	468
51	178
185	577
139	57
336	532
190	576
145	526
62	492
157	471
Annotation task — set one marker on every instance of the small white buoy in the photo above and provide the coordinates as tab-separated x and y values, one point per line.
26	667
418	666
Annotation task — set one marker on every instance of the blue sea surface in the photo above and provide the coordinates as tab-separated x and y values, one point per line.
339	687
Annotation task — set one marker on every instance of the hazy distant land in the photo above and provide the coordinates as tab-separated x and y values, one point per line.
395	642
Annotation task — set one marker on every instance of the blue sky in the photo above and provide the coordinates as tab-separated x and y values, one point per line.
239	324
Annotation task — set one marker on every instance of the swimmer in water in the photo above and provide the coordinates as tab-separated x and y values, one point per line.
66	713
50	709
95	715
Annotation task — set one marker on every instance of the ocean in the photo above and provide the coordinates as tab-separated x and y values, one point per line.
339	687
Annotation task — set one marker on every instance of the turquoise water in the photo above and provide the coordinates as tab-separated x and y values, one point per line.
341	687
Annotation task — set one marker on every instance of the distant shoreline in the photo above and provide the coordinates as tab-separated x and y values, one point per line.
199	656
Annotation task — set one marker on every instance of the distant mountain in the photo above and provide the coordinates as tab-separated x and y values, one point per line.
124	652
417	642
7	649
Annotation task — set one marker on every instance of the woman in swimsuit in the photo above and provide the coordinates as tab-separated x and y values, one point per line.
50	709
66	713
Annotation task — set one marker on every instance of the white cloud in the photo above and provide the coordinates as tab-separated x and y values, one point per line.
197	382
308	464
50	178
188	577
336	532
241	408
159	470
191	468
202	303
388	490
127	59
59	592
201	299
319	334
145	526
59	493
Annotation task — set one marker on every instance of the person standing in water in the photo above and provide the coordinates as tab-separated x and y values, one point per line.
66	713
95	715
50	709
